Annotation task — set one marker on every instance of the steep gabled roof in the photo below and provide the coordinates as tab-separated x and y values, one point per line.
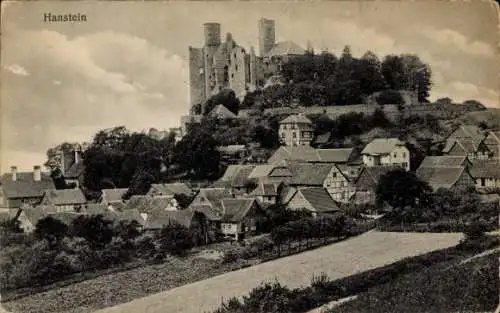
296	119
369	177
131	215
319	199
467	131
307	174
443	161
35	214
25	186
75	171
440	177
285	48
382	146
236	209
468	145
236	175
222	112
64	197
261	171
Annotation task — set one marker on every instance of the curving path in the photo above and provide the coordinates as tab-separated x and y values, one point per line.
358	254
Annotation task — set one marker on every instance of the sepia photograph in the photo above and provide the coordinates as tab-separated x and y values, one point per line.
249	157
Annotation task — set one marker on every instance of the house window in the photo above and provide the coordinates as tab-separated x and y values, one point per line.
232	75
404	154
405	164
395	154
334	175
283	135
236	66
483	182
201	71
293	126
294	135
284	126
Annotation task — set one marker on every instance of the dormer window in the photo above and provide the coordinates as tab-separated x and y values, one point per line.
202	71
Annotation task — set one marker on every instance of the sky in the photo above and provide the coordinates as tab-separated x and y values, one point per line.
127	65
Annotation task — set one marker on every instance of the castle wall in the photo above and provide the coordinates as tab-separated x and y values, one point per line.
238	72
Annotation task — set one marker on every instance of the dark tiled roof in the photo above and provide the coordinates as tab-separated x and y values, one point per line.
442	161
309	154
35	214
25	186
64	197
212	213
440	177
236	209
158	219
370	176
319	199
236	176
467	131
485	169
310	174
171	189
75	171
382	146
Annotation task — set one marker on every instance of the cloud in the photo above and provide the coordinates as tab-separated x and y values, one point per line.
17	69
453	39
80	85
461	91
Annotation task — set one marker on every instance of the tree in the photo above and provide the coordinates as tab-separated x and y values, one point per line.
400	189
175	239
379	119
127	230
197	154
140	185
95	229
51	229
369	73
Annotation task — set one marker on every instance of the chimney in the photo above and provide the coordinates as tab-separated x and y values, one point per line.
37	173
13	170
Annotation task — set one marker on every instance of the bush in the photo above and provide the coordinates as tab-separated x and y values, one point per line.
230	256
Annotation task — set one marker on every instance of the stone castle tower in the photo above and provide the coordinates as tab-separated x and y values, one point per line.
219	65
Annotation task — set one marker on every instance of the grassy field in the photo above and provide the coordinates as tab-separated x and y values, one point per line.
491	117
448	287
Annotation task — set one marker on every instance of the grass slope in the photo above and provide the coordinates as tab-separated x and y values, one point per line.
491	117
457	287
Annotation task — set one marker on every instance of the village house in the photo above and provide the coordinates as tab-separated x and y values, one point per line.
327	176
240	217
446	161
65	200
366	183
467	140
72	167
492	142
18	188
486	173
450	177
222	113
29	216
233	154
386	152
317	200
113	198
267	193
296	130
187	218
236	178
311	155
208	202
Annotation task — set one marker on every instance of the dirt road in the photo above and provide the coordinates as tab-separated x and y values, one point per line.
358	254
